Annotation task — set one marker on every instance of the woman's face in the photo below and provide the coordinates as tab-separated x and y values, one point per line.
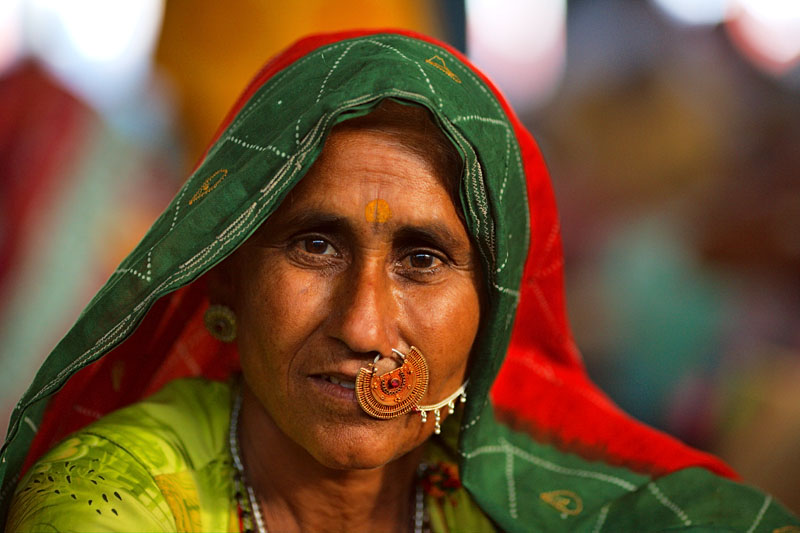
366	254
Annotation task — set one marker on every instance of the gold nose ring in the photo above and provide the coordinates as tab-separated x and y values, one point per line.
395	392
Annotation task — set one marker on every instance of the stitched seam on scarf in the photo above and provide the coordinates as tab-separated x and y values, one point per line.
493	121
271	84
330	72
470	424
30	423
256	147
760	515
669	504
493	99
146	277
508	144
419	67
506	290
512	490
505	260
177	207
475	183
601	519
548	465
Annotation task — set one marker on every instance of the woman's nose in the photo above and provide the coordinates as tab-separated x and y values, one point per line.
364	310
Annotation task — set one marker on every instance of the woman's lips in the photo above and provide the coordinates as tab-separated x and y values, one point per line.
336	386
346	383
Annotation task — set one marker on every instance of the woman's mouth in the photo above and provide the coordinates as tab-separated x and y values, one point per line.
347	384
339	386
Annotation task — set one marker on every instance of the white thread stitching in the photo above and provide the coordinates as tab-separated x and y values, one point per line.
601	519
146	277
330	72
669	504
178	206
512	490
470	424
485	90
505	261
256	147
760	515
547	465
30	423
422	70
508	144
506	290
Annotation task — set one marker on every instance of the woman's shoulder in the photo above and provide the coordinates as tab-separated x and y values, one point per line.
158	465
184	425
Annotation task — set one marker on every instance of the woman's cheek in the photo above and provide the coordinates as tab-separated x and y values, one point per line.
297	302
443	324
450	313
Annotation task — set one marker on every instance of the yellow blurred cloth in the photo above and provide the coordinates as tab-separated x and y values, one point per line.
211	49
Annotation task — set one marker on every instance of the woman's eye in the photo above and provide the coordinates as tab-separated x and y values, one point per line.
422	260
318	246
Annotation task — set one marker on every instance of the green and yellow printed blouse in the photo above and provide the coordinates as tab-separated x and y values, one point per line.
164	464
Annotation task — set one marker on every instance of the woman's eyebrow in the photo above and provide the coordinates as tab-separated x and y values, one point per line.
434	233
312	219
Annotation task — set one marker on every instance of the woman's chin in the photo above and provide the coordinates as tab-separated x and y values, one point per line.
361	448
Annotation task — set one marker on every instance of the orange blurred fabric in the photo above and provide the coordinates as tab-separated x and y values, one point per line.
210	48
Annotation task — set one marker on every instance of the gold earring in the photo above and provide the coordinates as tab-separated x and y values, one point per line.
221	322
396	392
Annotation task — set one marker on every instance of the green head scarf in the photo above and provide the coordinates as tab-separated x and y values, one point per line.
540	447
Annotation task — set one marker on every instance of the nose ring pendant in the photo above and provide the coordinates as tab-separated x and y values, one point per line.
449	402
396	392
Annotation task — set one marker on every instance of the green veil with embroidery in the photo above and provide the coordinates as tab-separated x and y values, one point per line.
541	448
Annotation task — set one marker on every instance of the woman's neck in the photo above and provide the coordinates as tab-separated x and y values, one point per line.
297	493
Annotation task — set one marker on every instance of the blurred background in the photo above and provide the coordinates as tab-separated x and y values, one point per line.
671	129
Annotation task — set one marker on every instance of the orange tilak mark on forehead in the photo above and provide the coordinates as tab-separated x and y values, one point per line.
377	211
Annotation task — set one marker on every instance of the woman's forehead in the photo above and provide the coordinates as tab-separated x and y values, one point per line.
364	174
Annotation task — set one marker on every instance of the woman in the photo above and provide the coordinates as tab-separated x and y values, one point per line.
372	223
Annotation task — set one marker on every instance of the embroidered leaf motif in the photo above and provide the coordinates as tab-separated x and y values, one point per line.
565	501
438	62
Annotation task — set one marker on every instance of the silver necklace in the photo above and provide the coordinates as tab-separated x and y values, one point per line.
251	510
